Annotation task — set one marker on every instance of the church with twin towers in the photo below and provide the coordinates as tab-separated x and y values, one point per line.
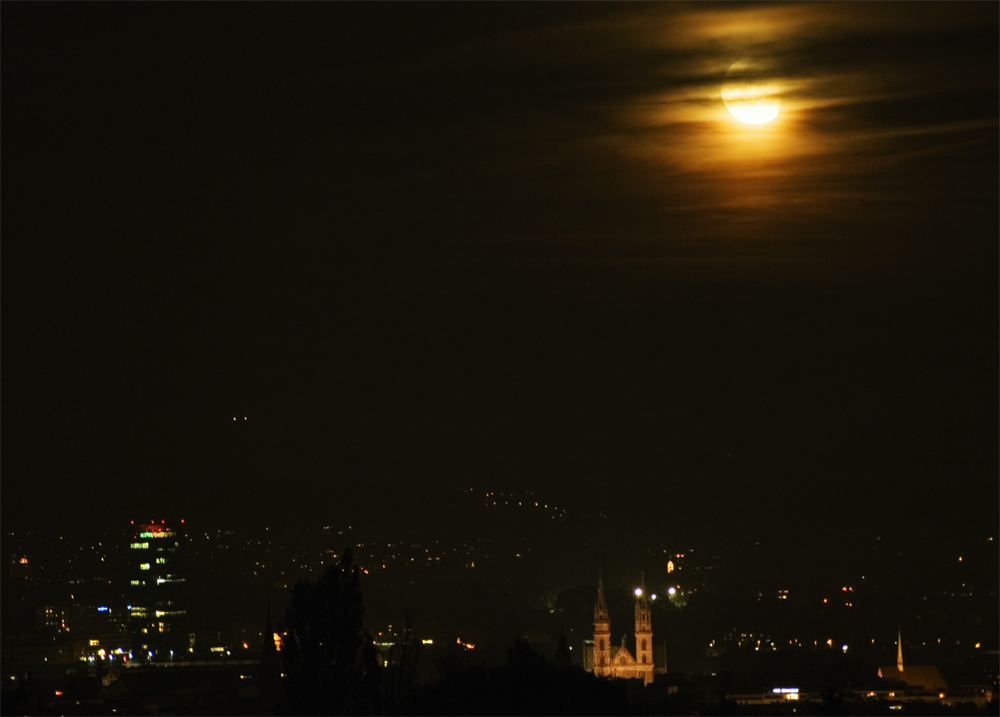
607	660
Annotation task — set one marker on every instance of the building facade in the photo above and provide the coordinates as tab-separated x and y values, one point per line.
607	660
157	592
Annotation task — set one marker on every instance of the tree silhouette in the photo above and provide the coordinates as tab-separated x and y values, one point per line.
328	657
561	660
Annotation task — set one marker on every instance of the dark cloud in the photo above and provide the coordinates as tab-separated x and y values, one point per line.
476	239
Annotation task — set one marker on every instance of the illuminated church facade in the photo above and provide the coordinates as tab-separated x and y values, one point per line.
607	660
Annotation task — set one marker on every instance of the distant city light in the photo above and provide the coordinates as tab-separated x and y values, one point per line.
844	648
427	642
638	592
671	591
653	596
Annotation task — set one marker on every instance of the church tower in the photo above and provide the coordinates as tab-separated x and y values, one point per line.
643	634
602	633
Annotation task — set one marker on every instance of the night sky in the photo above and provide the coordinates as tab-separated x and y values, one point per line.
425	246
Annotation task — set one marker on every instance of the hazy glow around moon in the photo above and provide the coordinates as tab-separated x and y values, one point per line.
749	97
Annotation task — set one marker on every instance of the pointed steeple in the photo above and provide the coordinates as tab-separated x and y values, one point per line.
643	632
601	607
899	650
641	595
602	632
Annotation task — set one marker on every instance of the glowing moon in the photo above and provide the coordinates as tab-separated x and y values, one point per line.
748	95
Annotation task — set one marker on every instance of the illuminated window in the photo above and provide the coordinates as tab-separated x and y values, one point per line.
137	582
161	561
144	566
139	546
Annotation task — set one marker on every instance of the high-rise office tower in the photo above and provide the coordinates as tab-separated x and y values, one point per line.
156	594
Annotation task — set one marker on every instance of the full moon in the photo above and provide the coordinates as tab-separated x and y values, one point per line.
748	95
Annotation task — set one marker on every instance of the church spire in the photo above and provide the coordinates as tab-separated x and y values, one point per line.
602	632
601	607
643	632
899	650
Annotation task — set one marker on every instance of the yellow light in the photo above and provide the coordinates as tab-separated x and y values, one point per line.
748	98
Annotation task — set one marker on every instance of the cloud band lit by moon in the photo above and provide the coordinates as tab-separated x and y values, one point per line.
748	96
